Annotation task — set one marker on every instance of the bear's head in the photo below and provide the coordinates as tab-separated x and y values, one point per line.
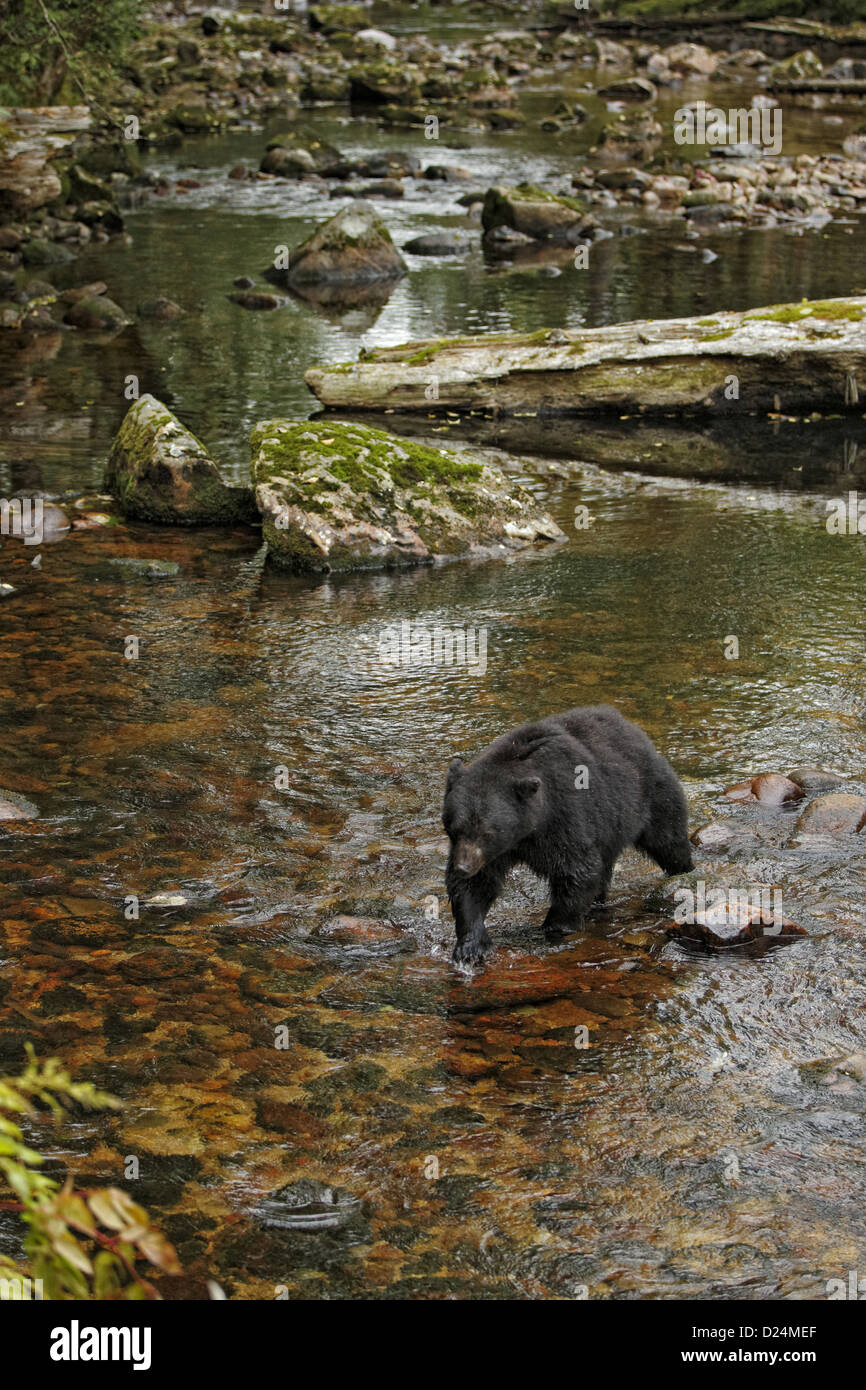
489	808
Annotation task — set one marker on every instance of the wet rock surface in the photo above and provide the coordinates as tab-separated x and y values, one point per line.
353	248
159	471
834	813
802	353
535	214
342	497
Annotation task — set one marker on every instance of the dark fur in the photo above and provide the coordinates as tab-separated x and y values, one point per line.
517	804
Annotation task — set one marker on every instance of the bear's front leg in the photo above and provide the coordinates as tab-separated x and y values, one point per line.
471	899
570	901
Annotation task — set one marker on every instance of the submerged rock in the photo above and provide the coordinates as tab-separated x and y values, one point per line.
814	779
436	244
151	569
98	314
344	496
631	135
536	214
161	309
743	927
16	807
256	299
629	89
836	813
308	1205
716	835
159	471
352	248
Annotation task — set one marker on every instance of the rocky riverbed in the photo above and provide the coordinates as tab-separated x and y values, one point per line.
222	888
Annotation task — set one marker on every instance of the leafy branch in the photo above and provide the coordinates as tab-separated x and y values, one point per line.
82	1244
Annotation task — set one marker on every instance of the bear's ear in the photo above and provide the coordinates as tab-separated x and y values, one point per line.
526	787
454	770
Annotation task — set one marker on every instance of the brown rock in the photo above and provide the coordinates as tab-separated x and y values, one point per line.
91	291
772	789
716	835
769	788
360	929
837	813
737	927
814	779
740	791
256	299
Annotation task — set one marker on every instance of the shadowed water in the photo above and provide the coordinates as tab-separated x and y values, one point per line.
308	1157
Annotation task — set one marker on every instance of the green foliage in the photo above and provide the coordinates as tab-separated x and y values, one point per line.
53	48
80	1244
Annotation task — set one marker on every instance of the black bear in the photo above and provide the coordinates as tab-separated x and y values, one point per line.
563	796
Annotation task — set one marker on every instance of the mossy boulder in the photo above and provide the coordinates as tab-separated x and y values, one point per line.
159	471
38	252
631	135
385	82
804	64
193	118
293	156
97	314
288	162
337	496
535	213
352	248
331	19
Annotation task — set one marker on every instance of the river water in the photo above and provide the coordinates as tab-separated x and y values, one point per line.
319	1101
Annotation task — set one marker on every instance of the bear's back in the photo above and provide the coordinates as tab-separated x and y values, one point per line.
600	729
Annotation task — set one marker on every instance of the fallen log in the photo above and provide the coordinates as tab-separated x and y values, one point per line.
786	358
850	86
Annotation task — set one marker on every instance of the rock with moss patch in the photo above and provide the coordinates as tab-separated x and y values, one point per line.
800	65
345	496
536	214
331	19
97	314
159	471
353	248
631	135
38	251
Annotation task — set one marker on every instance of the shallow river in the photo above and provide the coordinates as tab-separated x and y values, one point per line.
318	1099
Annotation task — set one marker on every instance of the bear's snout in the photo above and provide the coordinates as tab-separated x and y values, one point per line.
468	857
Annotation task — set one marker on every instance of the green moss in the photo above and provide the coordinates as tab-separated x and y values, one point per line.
809	308
361	458
540	195
715	337
142	483
419	358
428	350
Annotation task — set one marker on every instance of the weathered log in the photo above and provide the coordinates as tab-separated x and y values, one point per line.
852	86
785	358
